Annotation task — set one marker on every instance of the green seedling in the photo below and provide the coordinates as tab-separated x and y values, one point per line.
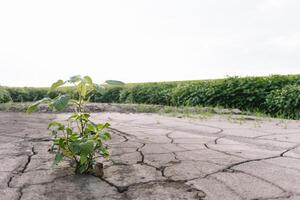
80	139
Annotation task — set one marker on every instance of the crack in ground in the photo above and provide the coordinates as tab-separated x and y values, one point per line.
20	189
216	140
10	180
209	126
28	160
175	156
120	189
171	181
122	134
247	161
255	160
229	169
286	193
289	149
274	198
142	161
262	179
123	189
228	187
116	131
169	137
19	172
141	153
43	139
223	152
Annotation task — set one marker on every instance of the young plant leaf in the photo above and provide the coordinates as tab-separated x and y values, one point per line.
61	102
59	126
83	168
106	136
82	89
57	84
75	146
58	158
104	152
103	126
33	107
86	147
88	80
83	158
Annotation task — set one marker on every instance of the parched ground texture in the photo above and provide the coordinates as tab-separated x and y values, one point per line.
157	157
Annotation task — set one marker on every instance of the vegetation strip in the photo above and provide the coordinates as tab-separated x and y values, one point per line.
276	95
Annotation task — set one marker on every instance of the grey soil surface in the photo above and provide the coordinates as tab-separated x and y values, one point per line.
157	157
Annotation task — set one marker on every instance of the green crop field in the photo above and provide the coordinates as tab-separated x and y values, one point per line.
276	95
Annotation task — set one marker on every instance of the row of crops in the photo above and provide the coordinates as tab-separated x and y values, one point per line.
277	95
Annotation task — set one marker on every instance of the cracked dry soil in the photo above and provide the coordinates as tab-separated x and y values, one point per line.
156	157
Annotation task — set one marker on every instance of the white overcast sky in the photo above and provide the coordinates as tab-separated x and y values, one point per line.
146	40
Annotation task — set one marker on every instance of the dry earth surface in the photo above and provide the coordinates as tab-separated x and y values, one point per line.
157	157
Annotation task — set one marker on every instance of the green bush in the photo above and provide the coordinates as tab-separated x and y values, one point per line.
199	93
148	93
4	95
125	96
111	94
244	93
35	94
18	94
191	94
29	94
284	102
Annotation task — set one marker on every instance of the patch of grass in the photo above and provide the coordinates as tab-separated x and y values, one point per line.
197	112
14	107
183	111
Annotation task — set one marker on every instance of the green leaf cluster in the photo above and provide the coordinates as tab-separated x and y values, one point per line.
4	95
285	102
80	139
80	144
